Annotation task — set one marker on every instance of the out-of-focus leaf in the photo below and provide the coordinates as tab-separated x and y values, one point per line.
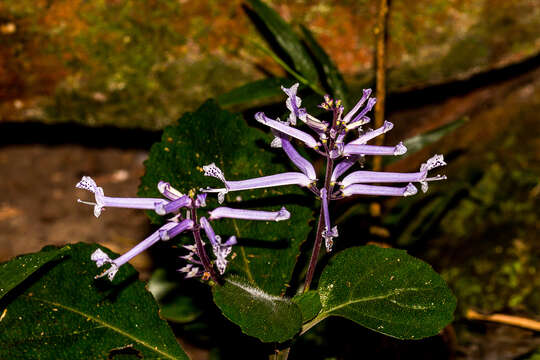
309	303
256	90
267	317
385	290
332	75
418	142
214	135
287	39
173	304
16	270
66	314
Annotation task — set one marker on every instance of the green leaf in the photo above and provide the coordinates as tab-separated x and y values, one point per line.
214	135
420	141
385	290
259	314
333	76
309	303
66	314
15	271
287	39
256	90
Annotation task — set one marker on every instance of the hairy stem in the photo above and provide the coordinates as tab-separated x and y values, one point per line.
201	252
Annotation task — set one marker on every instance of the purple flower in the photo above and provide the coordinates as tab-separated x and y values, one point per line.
226	212
289	178
87	183
165	232
329	233
286	129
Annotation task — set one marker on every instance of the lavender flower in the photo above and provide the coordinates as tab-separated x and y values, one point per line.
340	157
199	264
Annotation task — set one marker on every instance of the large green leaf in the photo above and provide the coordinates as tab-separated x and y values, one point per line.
309	303
267	251
15	271
267	317
256	90
63	313
385	290
332	75
287	39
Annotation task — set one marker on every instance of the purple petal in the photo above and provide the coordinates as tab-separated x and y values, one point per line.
360	189
343	166
102	201
303	164
100	260
293	103
226	212
354	149
168	191
363	139
210	234
358	105
329	233
174	205
286	129
361	115
362	177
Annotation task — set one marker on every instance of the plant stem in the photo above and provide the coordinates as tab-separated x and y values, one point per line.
280	354
201	252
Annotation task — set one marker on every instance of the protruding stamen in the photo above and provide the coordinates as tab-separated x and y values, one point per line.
226	212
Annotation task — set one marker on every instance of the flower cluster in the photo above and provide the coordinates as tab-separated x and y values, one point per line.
329	141
183	211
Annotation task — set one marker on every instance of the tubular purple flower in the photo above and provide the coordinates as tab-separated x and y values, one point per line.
163	233
297	159
87	183
350	114
361	115
293	103
329	233
364	138
361	189
286	129
355	149
316	124
362	177
343	166
200	200
210	234
289	178
168	191
174	205
226	212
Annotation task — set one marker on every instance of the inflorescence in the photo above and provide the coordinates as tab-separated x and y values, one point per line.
329	141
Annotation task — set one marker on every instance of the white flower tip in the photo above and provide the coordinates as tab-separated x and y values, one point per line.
387	126
87	183
276	143
400	149
213	171
410	190
367	92
433	162
221	197
160	209
260	117
100	258
283	214
290	91
110	272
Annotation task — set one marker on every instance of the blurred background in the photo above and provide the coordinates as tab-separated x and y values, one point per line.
87	85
